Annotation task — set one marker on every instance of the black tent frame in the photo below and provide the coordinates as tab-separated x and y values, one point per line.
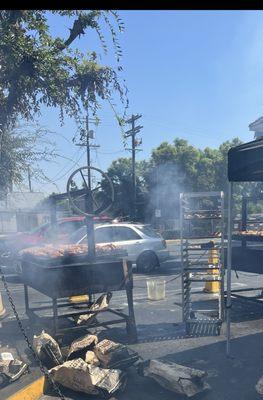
245	164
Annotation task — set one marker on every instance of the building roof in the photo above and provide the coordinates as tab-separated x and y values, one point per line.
257	125
23	200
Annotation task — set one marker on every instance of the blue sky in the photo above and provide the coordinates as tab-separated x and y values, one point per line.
191	74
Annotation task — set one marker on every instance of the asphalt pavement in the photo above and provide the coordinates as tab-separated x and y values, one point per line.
162	334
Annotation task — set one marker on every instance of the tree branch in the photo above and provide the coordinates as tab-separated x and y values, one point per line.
79	26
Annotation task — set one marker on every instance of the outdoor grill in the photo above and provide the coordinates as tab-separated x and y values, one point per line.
62	277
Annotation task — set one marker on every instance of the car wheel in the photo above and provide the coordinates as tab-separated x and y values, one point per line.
147	262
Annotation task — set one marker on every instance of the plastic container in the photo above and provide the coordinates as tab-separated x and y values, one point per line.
155	289
2	308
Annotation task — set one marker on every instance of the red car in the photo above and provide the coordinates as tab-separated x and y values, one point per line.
43	234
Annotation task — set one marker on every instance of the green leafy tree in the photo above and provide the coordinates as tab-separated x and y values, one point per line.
38	68
120	172
180	167
23	147
174	168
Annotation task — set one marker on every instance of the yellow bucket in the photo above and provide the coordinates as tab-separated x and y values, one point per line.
212	287
79	299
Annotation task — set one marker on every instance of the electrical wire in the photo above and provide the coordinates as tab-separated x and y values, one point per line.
52	181
21	191
189	128
112	152
97	158
65	166
70	169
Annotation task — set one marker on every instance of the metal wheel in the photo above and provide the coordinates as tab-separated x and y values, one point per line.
91	190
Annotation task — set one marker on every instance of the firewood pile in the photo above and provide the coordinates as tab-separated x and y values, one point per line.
101	367
90	366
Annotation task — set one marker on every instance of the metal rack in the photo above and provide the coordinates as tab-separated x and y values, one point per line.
202	255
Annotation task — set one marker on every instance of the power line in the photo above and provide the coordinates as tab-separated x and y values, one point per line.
196	133
111	152
70	169
65	166
52	181
97	158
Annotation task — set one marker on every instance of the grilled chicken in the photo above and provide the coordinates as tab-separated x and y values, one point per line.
67	250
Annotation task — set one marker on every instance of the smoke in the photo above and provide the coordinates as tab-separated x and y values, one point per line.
166	184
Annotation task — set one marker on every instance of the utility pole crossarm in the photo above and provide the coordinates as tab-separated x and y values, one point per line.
133	118
133	131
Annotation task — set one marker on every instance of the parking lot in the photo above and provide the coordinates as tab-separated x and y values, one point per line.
161	334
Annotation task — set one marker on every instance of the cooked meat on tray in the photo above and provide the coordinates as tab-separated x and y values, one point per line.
67	250
250	233
202	214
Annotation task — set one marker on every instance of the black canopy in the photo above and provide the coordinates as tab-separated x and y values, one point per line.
245	162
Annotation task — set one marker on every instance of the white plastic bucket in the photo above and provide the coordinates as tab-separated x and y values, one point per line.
155	289
2	308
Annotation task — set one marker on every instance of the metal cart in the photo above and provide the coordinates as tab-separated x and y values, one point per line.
202	255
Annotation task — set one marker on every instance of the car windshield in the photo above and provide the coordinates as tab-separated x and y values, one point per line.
147	230
78	235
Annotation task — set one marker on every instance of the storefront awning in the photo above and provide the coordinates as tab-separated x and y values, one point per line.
245	162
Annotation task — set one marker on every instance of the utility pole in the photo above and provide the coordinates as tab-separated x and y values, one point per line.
88	201
88	147
89	135
135	143
29	178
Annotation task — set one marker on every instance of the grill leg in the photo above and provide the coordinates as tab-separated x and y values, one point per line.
130	323
55	315
26	299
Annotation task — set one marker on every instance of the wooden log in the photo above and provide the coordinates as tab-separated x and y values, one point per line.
175	377
259	386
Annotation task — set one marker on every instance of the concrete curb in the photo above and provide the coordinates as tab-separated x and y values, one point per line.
33	391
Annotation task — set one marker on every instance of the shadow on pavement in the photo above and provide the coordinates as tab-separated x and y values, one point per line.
230	378
245	310
13	279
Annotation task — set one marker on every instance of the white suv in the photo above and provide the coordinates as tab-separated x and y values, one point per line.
146	248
